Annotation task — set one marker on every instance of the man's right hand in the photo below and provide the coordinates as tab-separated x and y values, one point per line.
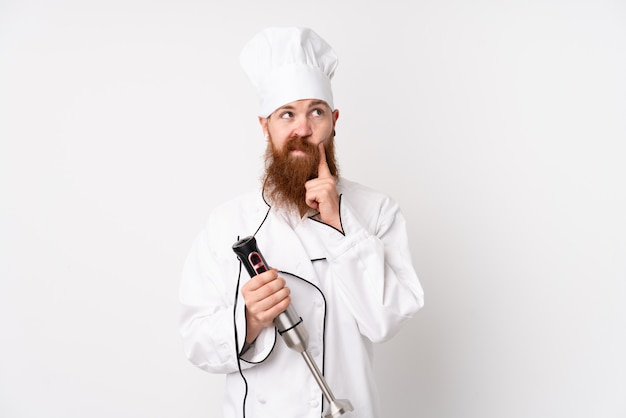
265	296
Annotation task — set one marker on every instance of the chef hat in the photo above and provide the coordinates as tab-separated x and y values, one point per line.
289	64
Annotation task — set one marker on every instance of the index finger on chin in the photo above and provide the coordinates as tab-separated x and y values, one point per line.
322	169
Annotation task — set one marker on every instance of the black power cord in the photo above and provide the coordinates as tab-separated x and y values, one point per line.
245	396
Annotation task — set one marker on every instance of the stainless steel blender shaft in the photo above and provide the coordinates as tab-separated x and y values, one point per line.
291	328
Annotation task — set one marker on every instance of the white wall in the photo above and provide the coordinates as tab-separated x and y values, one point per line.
499	128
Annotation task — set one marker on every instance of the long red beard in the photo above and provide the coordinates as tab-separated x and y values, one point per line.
286	174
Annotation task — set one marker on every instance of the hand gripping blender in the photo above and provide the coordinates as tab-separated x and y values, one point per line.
290	326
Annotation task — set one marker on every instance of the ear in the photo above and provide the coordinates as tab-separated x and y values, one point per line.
263	122
335	115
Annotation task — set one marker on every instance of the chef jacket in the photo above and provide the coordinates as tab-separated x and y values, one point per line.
351	288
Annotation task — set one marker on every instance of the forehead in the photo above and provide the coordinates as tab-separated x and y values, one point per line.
303	104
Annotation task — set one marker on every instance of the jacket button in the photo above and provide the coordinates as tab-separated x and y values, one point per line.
261	399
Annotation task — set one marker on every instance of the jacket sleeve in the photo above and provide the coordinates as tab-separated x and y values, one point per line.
372	270
212	325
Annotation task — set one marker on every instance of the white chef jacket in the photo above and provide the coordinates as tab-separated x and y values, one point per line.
352	289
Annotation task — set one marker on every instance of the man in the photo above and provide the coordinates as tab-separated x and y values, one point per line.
341	251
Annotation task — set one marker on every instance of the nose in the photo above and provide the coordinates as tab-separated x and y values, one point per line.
303	127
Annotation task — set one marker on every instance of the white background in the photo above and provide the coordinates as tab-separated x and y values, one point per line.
498	126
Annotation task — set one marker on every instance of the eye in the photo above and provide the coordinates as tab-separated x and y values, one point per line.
286	115
317	112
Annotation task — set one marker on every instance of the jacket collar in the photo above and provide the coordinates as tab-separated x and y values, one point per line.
282	248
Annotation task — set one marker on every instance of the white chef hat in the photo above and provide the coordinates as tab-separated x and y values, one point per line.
289	64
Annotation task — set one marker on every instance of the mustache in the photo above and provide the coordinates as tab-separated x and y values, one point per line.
301	144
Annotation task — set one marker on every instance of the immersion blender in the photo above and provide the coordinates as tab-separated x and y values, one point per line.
290	326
